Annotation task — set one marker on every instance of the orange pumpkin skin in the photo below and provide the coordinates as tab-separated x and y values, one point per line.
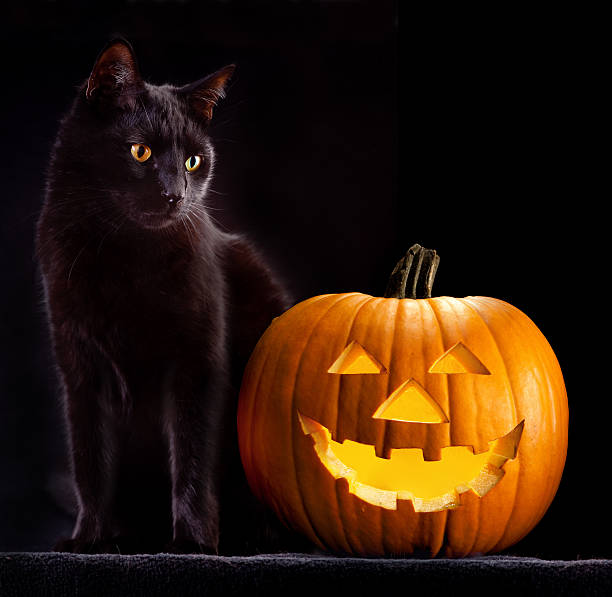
288	372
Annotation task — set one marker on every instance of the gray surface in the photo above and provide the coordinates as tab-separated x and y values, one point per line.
110	575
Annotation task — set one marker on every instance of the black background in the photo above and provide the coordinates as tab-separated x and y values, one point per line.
335	155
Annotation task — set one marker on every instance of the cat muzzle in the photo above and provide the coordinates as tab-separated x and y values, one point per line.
171	199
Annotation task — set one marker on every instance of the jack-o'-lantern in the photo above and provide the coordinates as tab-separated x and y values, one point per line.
389	426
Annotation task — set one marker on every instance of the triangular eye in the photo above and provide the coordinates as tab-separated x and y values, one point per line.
356	359
411	403
459	359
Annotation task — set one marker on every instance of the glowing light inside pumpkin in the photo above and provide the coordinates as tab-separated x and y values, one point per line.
411	403
355	359
432	486
459	359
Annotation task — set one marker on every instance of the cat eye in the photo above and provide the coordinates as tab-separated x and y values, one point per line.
193	163
140	152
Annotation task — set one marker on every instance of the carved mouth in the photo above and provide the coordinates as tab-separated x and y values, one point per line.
432	486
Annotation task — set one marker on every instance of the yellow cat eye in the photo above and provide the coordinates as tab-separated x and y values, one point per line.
140	152
193	163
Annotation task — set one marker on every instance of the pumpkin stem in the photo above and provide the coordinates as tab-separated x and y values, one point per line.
414	274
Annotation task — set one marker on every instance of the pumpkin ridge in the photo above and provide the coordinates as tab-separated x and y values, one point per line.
429	525
293	409
478	510
518	480
382	515
508	312
340	510
348	336
436	305
430	306
432	302
262	484
472	307
248	414
451	410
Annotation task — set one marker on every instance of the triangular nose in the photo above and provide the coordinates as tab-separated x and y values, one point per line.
411	403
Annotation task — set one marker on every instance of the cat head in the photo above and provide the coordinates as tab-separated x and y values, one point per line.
145	145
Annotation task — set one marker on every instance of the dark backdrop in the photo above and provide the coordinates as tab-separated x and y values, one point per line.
491	171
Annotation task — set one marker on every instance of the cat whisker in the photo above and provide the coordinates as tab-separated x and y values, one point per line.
216	192
204	216
145	111
197	215
111	231
182	221
95	211
222	123
201	214
188	231
77	258
228	113
198	219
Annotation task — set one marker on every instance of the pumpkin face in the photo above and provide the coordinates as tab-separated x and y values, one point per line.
431	486
382	426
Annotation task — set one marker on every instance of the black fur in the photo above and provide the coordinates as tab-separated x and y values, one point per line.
153	312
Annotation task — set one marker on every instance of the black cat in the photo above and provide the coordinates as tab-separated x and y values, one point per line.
153	312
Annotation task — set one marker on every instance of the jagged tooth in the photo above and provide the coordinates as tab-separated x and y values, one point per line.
501	450
447	501
432	453
507	445
497	460
486	480
377	497
454	449
397	453
309	426
454	500
334	465
323	449
405	495
381	451
361	448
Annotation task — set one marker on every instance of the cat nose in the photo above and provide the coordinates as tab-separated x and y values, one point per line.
171	198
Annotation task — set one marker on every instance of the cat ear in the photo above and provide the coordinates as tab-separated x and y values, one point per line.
115	76
204	94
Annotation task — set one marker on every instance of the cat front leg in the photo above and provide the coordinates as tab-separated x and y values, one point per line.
196	430
92	440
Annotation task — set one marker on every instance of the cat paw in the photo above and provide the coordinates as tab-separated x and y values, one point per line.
184	546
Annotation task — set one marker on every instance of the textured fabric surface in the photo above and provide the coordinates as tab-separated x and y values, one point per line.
34	574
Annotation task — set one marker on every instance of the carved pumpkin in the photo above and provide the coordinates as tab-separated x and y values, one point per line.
388	426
